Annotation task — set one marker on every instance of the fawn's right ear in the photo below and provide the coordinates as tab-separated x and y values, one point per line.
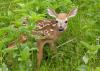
51	12
72	13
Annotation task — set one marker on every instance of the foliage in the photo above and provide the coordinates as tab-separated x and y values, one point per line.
80	54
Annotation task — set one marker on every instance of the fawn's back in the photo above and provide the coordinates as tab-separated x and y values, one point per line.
48	29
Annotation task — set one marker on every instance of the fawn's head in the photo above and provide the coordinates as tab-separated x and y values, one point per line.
62	18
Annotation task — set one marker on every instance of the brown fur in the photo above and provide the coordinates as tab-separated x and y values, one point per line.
62	16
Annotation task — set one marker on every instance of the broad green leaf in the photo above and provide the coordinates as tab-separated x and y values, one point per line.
85	59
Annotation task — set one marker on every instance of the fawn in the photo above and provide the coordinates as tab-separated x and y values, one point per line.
51	30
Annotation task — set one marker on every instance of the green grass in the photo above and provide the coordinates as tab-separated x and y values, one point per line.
78	49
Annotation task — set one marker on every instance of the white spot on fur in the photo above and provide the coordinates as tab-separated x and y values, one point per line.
39	27
51	30
53	24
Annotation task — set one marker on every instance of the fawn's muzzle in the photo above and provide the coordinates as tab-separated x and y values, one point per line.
61	28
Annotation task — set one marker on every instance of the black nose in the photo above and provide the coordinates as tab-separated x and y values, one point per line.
61	29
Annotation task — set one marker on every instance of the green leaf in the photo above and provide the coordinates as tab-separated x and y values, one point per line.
4	67
85	59
9	49
82	68
85	44
25	53
97	69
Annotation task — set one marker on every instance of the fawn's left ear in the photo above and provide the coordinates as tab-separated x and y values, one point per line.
52	12
72	13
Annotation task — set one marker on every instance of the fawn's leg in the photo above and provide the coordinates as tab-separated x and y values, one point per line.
52	47
40	45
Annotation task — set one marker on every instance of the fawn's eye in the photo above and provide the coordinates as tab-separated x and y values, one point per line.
56	21
65	21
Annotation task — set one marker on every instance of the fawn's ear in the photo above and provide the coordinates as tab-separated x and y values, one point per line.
72	13
52	12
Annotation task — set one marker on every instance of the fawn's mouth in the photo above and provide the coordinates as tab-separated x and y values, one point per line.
61	30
